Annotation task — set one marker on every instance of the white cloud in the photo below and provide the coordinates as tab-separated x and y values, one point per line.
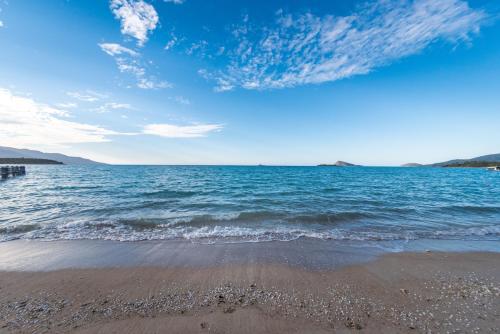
174	41
309	49
114	49
87	96
151	83
170	44
177	2
180	100
128	61
1	22
112	106
28	123
115	105
179	131
137	18
199	47
67	105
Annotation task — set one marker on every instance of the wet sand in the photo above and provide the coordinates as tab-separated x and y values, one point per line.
312	254
423	292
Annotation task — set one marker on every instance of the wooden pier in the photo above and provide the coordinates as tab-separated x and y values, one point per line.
11	171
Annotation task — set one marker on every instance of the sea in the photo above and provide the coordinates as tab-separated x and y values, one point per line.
233	204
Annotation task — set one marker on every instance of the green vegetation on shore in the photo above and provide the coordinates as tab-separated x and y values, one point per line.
28	161
474	164
491	158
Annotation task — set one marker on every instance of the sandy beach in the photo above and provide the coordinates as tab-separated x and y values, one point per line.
425	292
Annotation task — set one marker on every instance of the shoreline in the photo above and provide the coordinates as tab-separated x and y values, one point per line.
306	253
395	293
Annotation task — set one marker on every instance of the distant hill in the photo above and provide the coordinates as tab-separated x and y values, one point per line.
495	158
338	164
9	152
28	161
471	163
489	158
412	164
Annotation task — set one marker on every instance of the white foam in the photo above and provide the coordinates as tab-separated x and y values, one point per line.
114	230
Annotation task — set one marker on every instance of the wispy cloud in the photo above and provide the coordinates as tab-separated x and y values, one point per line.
115	105
171	43
67	105
181	131
129	61
109	106
309	49
1	22
199	47
152	83
137	18
177	2
100	102
28	123
114	49
87	96
180	100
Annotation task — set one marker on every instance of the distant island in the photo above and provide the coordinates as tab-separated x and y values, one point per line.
28	161
338	164
11	153
412	164
490	160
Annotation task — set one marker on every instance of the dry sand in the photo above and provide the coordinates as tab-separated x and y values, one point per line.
398	293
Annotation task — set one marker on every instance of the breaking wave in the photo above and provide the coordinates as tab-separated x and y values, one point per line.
209	229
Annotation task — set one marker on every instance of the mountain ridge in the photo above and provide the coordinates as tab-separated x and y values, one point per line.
10	152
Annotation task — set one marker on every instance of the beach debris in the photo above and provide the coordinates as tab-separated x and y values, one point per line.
229	309
445	303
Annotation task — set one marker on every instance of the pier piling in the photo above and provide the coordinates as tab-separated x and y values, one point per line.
11	171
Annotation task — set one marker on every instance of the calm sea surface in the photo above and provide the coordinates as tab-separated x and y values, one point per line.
232	204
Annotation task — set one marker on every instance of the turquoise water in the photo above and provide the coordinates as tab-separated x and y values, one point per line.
234	204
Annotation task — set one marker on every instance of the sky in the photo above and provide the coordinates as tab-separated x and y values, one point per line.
275	82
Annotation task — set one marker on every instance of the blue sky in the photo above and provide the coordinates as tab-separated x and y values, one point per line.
247	82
